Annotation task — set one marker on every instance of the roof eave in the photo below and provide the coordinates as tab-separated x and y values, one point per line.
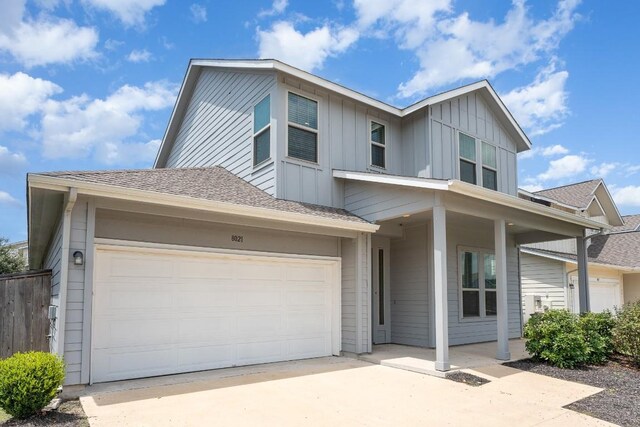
123	193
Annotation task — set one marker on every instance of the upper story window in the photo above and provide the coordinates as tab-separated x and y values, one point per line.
262	131
478	283
467	159
478	162
377	140
489	167
302	132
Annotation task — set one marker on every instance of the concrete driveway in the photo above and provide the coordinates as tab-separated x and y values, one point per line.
335	391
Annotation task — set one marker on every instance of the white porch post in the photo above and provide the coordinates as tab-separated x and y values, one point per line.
583	274
440	285
501	290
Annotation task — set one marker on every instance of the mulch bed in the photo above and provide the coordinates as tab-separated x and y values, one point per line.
618	403
69	414
466	378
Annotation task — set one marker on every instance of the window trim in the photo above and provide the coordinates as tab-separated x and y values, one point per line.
303	127
268	126
371	143
479	163
481	285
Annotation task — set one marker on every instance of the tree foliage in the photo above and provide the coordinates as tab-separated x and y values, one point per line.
10	260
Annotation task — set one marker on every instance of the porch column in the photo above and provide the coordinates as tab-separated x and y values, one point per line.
501	289
440	287
583	274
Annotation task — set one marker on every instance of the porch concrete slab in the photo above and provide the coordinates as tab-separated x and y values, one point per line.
422	360
336	391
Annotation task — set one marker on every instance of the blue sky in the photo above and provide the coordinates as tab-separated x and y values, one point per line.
89	84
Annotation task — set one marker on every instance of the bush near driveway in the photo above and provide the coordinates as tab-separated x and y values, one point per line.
597	331
556	337
626	332
28	382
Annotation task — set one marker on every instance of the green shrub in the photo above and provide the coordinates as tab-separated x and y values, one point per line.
556	337
28	382
597	331
626	332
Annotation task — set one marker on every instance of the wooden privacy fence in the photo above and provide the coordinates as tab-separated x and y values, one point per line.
24	307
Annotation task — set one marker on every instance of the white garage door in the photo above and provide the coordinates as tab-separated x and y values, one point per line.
159	312
604	294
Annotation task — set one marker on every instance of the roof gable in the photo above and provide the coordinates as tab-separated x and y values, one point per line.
196	65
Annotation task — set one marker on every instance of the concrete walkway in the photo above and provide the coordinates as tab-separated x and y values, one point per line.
423	360
335	391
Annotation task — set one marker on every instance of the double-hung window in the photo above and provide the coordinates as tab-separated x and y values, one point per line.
467	159
377	140
262	131
489	167
302	131
478	283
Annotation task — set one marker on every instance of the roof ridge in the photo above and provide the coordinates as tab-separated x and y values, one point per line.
105	171
568	185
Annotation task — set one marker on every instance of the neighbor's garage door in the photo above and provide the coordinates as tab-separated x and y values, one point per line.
604	293
159	312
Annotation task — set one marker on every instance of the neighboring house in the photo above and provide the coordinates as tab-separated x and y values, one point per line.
22	249
289	217
549	271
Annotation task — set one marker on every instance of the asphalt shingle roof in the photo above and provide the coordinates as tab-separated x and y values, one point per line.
631	223
209	183
578	195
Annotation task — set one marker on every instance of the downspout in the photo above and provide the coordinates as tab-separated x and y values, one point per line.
583	274
571	289
70	201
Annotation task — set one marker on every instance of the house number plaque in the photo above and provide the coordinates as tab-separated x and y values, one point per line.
237	238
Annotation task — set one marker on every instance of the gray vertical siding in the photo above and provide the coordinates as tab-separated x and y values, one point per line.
462	331
53	261
343	143
416	157
471	114
75	295
409	288
348	250
544	277
217	127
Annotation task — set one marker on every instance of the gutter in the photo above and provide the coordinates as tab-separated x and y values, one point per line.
70	201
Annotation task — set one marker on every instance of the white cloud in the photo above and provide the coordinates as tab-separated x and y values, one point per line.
11	162
532	188
633	169
627	196
603	169
112	45
139	56
277	8
307	51
553	150
564	167
198	13
8	199
130	12
45	40
541	106
22	96
122	154
460	48
80	126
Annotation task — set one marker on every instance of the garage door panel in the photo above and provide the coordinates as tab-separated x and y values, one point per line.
212	311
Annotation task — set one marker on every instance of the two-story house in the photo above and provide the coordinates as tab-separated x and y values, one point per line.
289	217
549	274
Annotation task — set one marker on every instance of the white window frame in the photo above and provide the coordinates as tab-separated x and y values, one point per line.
487	166
479	161
253	139
372	143
481	286
303	127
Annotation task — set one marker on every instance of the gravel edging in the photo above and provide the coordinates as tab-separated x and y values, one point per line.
466	378
69	414
618	403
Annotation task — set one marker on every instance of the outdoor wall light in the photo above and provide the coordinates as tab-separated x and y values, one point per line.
78	258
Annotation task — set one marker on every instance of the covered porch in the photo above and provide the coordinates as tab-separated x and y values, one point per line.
444	266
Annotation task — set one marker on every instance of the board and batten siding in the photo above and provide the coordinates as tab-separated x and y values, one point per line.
543	277
53	262
217	126
416	156
472	115
351	256
343	143
472	235
409	287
